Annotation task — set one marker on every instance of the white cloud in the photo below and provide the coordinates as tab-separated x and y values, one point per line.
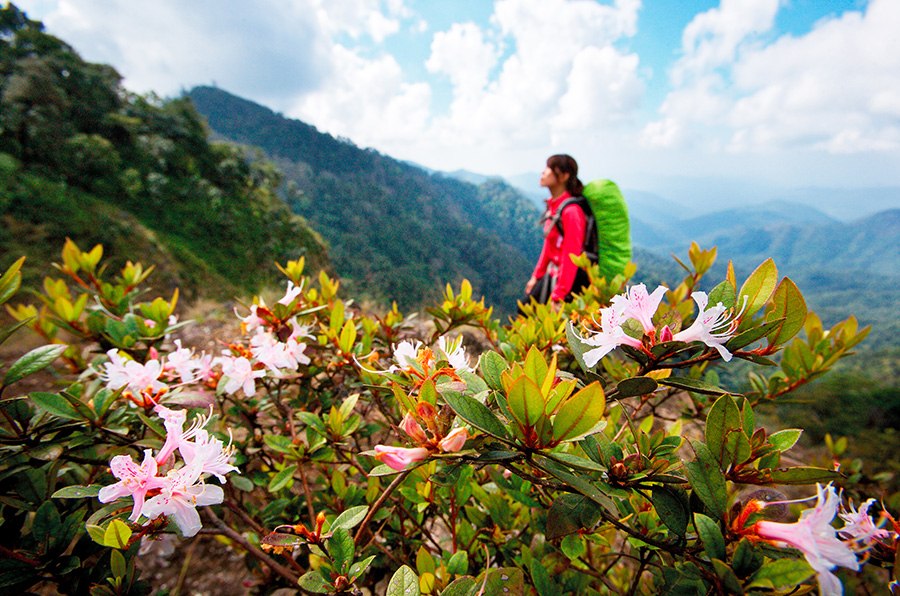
465	57
560	72
832	90
367	100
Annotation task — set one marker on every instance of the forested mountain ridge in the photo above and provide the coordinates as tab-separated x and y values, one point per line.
81	157
396	231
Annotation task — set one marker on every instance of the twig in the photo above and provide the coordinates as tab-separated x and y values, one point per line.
377	505
259	555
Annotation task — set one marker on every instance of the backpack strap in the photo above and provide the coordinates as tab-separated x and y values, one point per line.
557	217
589	243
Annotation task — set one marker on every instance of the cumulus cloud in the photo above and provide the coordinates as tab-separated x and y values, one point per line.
559	71
166	45
368	101
831	90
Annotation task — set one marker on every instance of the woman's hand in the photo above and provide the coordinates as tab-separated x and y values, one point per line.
530	285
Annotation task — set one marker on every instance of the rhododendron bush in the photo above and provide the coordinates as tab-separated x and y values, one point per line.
591	449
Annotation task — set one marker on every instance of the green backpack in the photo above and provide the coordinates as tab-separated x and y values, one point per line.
608	234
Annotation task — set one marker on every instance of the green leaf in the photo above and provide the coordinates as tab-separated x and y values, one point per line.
492	366
724	293
424	561
359	568
458	563
35	360
242	483
312	581
77	492
710	535
707	480
284	478
47	522
785	439
540	577
96	533
570	513
526	402
535	366
729	580
692	384
117	564
464	586
55	404
673	508
11	280
404	582
758	288
747	337
577	346
350	518
635	386
476	413
117	534
789	307
340	547
781	573
5	332
580	413
723	423
578	483
746	560
803	475
505	580
573	546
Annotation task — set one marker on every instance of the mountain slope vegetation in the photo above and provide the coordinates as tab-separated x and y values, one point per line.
81	157
396	231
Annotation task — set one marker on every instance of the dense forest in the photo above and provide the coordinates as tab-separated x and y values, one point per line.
440	229
82	157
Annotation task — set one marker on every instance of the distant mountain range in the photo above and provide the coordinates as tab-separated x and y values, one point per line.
396	231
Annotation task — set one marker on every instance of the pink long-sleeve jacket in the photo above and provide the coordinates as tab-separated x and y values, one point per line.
558	247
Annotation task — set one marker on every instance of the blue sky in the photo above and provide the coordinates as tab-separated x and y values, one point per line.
714	100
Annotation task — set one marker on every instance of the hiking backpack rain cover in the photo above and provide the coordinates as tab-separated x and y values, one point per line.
607	234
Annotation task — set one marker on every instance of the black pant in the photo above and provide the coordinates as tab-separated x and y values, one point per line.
544	287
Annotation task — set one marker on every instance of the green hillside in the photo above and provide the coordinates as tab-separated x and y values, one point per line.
81	157
396	231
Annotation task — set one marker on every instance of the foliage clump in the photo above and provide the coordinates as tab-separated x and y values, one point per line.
343	449
82	157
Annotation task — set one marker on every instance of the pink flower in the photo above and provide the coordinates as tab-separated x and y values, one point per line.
240	375
291	294
859	526
252	321
174	422
209	454
610	336
816	538
399	457
637	304
454	441
713	326
182	492
134	481
182	363
134	376
412	428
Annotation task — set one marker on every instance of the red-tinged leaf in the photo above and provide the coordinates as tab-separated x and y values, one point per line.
580	413
758	288
525	402
789	306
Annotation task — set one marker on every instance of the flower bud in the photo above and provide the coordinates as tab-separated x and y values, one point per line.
454	441
412	428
